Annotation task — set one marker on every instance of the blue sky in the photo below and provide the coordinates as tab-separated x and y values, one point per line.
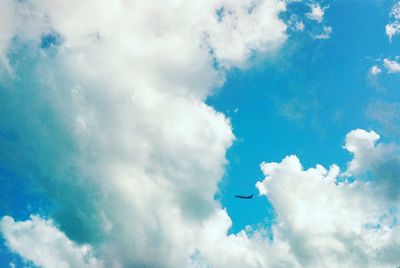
123	142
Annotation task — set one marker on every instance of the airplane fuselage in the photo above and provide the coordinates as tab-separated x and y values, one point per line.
244	196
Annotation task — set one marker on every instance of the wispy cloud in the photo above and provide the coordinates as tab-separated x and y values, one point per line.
387	115
326	33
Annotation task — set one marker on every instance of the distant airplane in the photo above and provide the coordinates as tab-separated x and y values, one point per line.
244	196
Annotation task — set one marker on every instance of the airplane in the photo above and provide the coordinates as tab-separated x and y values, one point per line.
244	196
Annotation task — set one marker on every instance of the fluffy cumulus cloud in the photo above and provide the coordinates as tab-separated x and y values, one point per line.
328	220
243	27
362	145
105	105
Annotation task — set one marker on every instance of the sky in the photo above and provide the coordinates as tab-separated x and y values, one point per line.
128	127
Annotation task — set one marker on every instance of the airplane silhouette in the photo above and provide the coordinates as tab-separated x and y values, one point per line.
244	196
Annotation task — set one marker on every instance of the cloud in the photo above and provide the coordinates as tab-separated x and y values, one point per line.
41	242
330	222
294	110
317	12
362	145
395	12
326	34
106	102
244	27
373	77
387	114
376	162
375	70
300	111
308	16
9	22
393	28
391	66
111	124
321	217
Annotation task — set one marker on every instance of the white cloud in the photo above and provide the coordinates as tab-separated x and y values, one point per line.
322	219
391	66
393	28
312	21
244	27
115	129
113	123
39	241
326	34
378	162
317	12
295	23
362	145
319	221
8	22
395	12
315	21
375	70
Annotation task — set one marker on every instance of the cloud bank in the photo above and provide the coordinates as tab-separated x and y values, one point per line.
105	101
106	104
